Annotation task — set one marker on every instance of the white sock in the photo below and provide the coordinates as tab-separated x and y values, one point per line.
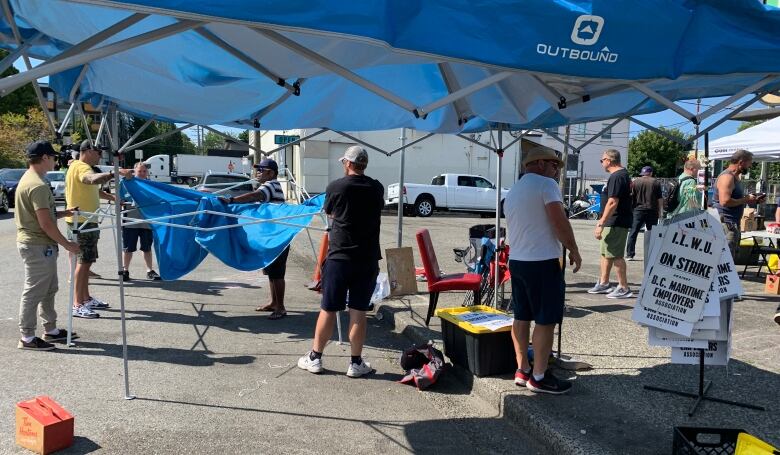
27	339
53	332
538	377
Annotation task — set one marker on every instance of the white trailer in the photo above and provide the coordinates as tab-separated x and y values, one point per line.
189	168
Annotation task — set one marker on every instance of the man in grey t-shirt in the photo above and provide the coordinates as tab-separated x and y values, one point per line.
136	233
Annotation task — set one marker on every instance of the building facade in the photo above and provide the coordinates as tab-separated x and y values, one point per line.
314	162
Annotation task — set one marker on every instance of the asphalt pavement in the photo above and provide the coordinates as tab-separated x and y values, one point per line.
211	375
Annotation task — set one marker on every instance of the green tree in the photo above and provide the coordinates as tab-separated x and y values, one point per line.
652	149
17	131
213	140
20	100
745	125
244	136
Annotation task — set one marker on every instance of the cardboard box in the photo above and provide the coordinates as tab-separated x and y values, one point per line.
748	224
772	284
43	426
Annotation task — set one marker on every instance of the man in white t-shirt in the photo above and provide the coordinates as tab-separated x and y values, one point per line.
536	227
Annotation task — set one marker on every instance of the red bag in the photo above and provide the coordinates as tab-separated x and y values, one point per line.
423	365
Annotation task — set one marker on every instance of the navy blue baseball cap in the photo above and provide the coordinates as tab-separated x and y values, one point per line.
268	163
40	148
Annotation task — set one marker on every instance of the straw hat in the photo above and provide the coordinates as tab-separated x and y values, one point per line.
541	153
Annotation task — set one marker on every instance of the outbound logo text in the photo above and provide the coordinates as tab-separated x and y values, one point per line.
586	32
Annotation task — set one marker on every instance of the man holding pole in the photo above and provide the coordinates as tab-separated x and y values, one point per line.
354	205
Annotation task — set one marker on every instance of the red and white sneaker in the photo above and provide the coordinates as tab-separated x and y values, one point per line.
521	378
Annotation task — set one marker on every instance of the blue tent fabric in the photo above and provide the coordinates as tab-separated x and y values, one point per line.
248	247
682	49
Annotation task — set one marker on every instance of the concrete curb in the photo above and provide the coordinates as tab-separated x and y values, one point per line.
530	416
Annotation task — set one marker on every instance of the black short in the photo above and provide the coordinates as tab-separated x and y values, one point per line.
338	277
538	291
130	237
277	269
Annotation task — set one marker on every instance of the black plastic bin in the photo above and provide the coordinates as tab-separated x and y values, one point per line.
483	354
704	441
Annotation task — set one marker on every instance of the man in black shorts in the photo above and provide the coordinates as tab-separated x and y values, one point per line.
354	205
536	227
270	190
136	233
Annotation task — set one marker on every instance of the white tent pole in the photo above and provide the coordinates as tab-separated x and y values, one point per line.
99	37
217	41
474	141
278	102
658	130
16	53
66	120
101	128
663	100
10	83
227	136
86	122
361	142
735	97
137	133
72	294
728	116
406	146
499	162
464	92
401	189
77	83
157	138
112	112
337	69
296	142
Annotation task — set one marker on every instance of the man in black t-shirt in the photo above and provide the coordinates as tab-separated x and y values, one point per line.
353	204
612	227
648	204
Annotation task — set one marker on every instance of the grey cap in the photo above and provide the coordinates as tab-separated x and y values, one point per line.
355	154
86	144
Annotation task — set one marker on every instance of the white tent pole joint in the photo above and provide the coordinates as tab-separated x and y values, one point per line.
464	92
361	142
749	89
665	101
137	133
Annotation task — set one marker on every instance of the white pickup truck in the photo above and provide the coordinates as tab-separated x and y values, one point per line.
454	192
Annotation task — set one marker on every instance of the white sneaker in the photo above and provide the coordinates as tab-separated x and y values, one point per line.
356	371
600	288
82	311
312	366
95	304
620	293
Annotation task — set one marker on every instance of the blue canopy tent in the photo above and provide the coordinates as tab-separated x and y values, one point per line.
445	66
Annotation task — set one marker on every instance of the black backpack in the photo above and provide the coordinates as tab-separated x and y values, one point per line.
673	196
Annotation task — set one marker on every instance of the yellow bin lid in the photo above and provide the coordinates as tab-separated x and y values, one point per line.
455	316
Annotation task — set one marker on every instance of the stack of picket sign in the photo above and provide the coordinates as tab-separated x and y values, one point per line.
688	288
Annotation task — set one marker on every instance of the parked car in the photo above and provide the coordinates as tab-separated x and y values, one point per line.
216	181
4	203
57	182
454	192
11	178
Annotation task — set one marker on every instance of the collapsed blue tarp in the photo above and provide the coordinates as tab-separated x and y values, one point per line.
584	52
248	247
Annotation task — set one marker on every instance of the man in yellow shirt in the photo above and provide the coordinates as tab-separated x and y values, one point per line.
82	190
37	237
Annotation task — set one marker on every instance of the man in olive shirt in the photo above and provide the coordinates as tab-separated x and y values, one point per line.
37	237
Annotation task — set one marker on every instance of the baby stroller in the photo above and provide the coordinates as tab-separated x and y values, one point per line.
479	257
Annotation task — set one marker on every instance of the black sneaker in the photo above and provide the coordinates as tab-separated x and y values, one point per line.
777	316
36	344
62	335
152	275
125	275
548	384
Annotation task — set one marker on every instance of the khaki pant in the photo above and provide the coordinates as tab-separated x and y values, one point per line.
40	287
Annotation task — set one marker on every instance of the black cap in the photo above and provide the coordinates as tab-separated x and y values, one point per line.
86	144
40	148
268	164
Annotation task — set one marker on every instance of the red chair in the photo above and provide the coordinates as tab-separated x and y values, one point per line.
436	281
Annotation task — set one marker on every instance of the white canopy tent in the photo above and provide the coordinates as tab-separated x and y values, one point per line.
762	140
